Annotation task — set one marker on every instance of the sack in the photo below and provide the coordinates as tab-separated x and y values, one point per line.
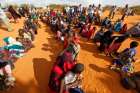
128	83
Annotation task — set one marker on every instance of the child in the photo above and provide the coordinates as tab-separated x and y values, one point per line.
126	57
58	35
6	74
72	79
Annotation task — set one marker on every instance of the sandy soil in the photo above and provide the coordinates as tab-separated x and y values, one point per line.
32	71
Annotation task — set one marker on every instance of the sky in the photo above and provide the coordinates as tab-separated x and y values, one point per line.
71	2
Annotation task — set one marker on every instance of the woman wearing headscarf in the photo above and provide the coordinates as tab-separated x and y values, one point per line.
13	12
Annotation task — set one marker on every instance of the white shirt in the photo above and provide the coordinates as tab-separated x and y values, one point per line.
90	10
69	78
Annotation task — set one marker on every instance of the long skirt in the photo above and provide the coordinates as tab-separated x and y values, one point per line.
124	29
112	48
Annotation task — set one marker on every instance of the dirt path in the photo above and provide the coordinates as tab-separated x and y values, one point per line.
32	71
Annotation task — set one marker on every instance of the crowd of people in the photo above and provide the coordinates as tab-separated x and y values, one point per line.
66	74
15	48
63	24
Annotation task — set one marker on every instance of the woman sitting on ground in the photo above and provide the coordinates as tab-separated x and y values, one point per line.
105	41
73	45
30	25
118	25
14	47
63	64
106	22
53	24
91	32
85	30
117	41
98	35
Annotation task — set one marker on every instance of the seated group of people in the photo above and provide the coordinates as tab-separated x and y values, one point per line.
122	61
66	72
13	49
118	26
64	24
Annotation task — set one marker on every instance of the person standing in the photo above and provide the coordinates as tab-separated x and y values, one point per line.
5	20
14	14
112	12
125	12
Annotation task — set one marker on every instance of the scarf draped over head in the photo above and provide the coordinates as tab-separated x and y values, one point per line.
12	44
